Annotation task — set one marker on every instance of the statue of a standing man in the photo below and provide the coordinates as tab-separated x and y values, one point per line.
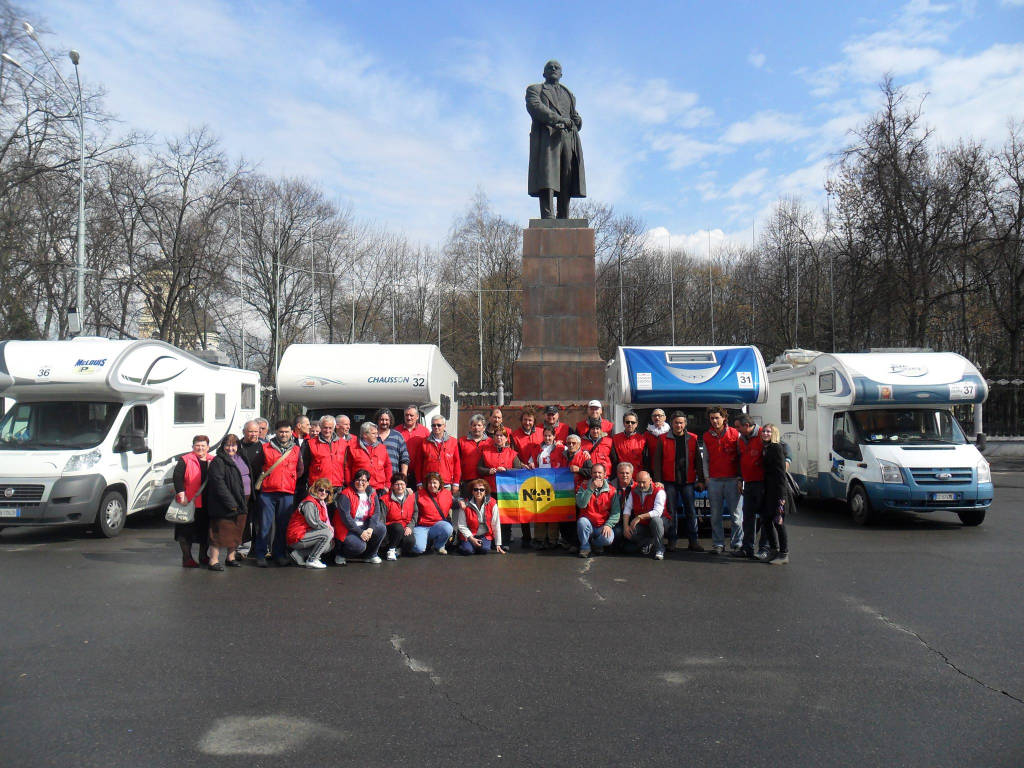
556	154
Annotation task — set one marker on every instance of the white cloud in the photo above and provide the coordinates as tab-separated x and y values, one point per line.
697	243
648	102
751	185
766	126
756	59
683	150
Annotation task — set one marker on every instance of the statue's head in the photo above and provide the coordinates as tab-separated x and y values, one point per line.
552	71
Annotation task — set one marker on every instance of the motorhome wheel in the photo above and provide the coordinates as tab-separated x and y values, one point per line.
860	506
111	514
972	517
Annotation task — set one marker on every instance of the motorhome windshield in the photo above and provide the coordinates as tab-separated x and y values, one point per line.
57	425
908	426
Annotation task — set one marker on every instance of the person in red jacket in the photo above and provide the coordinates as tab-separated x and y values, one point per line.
548	454
496	423
645	517
551	418
190	476
578	460
527	436
309	531
628	445
278	467
440	453
478	523
469	450
399	517
495	458
596	514
751	448
652	443
358	522
594	411
599	446
324	456
721	443
370	454
682	471
433	526
414	434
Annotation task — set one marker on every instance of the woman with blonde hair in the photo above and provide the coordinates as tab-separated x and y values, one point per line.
777	502
309	529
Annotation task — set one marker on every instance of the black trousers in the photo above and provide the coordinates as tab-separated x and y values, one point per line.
396	538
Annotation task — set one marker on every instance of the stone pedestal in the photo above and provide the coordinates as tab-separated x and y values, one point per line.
559	361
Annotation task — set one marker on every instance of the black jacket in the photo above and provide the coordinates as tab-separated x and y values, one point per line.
776	486
224	495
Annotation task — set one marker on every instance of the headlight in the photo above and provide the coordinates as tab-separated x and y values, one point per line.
984	472
82	461
890	472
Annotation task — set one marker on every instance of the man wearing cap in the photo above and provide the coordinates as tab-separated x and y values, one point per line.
599	446
752	471
551	417
594	411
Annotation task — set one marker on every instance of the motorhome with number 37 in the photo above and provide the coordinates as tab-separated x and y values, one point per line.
877	430
97	424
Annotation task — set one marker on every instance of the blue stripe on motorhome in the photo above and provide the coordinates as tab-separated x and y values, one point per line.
869	392
721	387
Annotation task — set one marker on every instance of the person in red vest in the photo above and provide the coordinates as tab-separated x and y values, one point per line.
596	515
190	474
343	429
432	527
628	445
496	423
751	448
682	471
548	454
370	454
721	442
278	468
594	411
440	453
578	460
495	458
309	529
646	517
551	418
622	486
358	522
469	451
324	456
599	446
399	517
414	434
478	523
652	443
527	436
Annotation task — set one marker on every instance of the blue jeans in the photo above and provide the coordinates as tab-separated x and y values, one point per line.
354	546
467	548
585	530
275	511
680	501
436	536
725	490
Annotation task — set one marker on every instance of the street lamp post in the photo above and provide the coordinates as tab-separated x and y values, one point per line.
75	318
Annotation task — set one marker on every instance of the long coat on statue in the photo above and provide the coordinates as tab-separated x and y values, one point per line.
546	142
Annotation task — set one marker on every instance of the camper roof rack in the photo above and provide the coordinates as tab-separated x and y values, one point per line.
900	350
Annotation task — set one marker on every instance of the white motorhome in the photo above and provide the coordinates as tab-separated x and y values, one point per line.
876	430
645	378
97	424
358	379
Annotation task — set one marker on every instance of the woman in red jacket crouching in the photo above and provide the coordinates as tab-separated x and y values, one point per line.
309	529
478	523
433	516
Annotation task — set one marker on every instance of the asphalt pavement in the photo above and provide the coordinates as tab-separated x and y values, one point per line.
898	644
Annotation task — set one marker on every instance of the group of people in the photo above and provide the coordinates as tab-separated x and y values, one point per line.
312	488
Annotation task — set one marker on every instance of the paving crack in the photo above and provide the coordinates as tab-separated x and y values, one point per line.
586	582
932	649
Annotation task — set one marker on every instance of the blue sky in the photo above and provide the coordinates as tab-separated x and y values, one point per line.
696	116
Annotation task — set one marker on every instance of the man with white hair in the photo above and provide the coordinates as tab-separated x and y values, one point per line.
324	456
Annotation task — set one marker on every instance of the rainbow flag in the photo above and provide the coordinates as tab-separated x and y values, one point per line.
536	496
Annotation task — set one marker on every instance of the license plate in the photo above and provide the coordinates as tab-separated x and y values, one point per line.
701	503
944	496
10	512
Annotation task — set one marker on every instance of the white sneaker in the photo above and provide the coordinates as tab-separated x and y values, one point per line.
299	559
442	551
339	560
392	555
659	555
375	560
314	563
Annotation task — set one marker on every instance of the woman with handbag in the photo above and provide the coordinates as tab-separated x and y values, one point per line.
227	500
777	502
189	481
433	516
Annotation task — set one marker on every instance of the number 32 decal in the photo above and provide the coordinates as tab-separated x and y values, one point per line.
419	381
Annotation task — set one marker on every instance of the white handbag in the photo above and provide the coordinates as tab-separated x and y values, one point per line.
183	513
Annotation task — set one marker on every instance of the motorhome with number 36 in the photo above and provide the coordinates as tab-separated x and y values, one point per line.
97	424
877	430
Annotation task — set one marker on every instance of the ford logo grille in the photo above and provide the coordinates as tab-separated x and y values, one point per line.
8	492
943	475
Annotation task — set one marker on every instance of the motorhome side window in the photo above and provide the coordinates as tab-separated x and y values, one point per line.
248	397
786	406
800	413
843	437
220	406
827	382
446	407
188	409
